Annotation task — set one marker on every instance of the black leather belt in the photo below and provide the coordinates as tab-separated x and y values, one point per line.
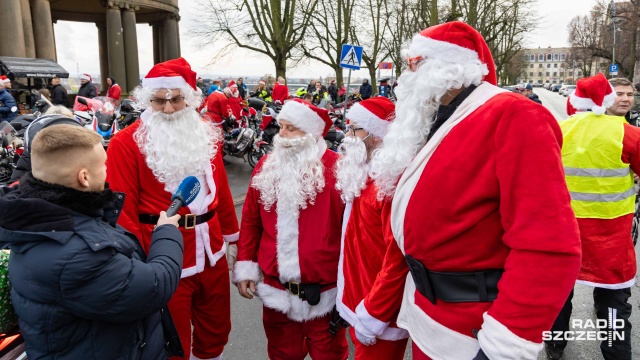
309	292
472	286
187	222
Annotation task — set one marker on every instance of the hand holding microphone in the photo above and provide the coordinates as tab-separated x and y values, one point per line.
184	195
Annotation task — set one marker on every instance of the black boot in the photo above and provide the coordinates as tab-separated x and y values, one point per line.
554	352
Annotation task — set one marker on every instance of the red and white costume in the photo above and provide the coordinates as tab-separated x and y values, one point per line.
204	247
276	247
487	191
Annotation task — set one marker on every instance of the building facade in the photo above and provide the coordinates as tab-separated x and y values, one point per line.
549	65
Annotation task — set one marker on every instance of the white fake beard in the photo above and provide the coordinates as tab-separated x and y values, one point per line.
292	175
419	95
352	168
176	146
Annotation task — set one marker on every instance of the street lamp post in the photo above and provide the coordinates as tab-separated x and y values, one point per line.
612	13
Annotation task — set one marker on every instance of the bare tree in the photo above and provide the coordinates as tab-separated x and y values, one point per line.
584	37
270	27
372	17
327	33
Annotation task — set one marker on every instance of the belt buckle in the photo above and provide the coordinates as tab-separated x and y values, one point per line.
297	284
190	221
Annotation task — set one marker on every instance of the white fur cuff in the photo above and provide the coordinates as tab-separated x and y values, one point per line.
231	238
498	342
372	324
246	270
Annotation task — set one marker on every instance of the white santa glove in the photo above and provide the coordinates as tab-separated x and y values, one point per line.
232	253
365	336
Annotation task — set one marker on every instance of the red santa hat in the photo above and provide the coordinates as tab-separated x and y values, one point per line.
172	74
232	84
594	93
86	77
374	115
306	117
453	42
4	79
570	109
262	82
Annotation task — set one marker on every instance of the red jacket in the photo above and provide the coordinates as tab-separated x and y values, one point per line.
492	195
280	92
144	194
235	104
364	246
316	248
114	91
217	107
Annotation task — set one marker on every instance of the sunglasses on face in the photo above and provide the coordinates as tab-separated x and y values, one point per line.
162	102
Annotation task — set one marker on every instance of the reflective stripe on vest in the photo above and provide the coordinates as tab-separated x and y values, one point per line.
600	184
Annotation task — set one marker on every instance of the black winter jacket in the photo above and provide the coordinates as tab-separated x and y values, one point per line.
6	103
533	97
59	95
78	288
366	90
87	90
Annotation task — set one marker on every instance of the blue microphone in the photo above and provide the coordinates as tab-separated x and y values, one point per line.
186	193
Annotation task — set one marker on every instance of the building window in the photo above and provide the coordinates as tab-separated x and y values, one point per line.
556	57
540	57
579	73
548	66
571	56
531	66
548	57
547	73
563	57
531	74
555	73
562	65
532	57
539	73
540	66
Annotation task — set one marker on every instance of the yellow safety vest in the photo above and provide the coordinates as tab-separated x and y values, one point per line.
601	185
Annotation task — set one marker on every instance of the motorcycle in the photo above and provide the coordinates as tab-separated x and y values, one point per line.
237	141
21	122
7	153
99	116
266	131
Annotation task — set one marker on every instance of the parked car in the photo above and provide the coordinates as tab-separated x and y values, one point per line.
556	87
568	90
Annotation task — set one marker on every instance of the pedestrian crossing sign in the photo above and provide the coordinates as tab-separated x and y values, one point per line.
351	57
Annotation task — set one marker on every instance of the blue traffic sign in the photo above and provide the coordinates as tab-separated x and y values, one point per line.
351	57
613	68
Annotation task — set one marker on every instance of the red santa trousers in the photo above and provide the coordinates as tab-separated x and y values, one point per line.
203	300
382	350
417	354
292	340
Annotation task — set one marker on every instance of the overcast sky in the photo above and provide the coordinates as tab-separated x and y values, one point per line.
77	43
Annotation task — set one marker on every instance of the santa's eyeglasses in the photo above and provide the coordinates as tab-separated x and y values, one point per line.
354	129
414	62
162	102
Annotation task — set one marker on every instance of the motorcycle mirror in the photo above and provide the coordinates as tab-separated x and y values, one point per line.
14	108
82	101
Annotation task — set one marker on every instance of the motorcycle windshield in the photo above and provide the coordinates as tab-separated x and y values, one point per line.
6	128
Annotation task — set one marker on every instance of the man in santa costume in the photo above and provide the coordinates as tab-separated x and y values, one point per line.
289	244
218	109
147	161
366	219
599	154
235	101
480	213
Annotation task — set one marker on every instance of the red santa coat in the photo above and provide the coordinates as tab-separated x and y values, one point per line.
217	107
363	248
280	92
608	255
128	172
235	104
266	237
114	92
486	192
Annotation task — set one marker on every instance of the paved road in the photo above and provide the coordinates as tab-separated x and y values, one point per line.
247	340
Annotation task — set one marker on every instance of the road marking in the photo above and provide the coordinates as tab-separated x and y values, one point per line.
239	200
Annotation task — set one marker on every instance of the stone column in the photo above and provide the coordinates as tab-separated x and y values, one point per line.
43	29
131	49
115	47
178	34
171	46
12	43
155	29
27	29
103	52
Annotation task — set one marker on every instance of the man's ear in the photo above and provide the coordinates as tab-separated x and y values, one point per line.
83	178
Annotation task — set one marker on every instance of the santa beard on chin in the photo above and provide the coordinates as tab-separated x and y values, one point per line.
419	95
177	145
292	175
352	168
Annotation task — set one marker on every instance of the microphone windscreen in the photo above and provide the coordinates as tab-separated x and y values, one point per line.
187	191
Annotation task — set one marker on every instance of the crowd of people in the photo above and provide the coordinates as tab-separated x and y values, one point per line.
387	238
